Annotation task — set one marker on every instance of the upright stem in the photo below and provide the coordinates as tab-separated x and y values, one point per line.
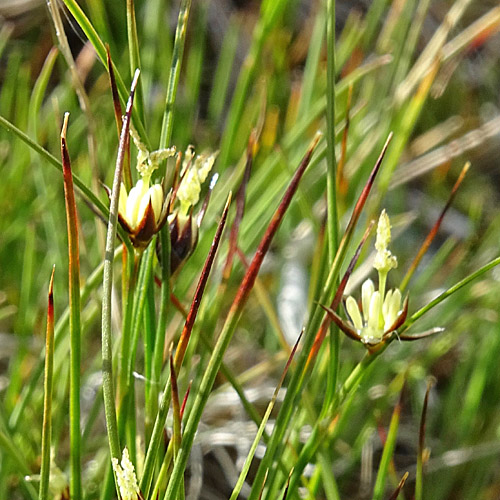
331	188
107	361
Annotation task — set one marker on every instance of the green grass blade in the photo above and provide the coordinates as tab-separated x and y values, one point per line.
175	72
387	454
134	57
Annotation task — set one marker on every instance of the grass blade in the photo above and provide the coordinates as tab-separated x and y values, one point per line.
419	480
390	444
47	397
74	320
262	426
175	71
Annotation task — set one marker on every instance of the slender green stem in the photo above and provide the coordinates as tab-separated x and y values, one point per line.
331	176
152	403
131	270
332	226
107	359
134	57
442	296
175	71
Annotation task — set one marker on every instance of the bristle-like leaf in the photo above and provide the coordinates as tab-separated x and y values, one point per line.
432	233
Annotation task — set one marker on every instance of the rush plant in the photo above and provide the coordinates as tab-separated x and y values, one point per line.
214	328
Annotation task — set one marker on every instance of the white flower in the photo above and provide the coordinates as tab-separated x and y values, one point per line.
125	476
368	324
143	210
133	206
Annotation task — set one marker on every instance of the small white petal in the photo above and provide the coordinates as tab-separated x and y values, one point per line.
143	206
353	311
386	304
189	190
393	306
366	294
122	201
156	193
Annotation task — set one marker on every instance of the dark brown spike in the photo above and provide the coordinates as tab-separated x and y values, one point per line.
367	188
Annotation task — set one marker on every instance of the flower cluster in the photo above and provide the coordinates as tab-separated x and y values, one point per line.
143	211
126	478
381	313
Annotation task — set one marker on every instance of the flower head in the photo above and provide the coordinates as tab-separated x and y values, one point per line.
381	313
143	210
126	478
367	322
